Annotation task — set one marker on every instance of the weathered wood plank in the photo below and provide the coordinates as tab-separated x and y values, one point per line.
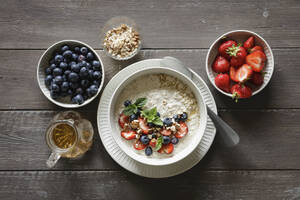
212	185
269	140
20	90
163	24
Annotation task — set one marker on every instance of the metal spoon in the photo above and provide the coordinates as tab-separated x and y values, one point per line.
229	136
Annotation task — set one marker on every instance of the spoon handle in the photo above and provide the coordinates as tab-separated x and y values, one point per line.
229	136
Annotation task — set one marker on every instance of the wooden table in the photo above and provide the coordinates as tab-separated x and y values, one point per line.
266	163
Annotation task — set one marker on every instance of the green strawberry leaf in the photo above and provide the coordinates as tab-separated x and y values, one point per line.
158	143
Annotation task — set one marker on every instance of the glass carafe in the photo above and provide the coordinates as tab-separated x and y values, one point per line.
68	135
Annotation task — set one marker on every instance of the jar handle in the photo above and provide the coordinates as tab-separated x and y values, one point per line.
52	160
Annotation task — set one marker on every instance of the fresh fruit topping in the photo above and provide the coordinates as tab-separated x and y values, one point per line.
128	135
168	122
183	130
138	145
221	65
127	103
152	143
148	151
256	60
168	148
224	46
133	108
183	117
151	116
123	119
257	78
244	73
144	139
232	73
249	43
143	125
256	48
238	54
240	91
166	139
222	81
174	140
166	132
133	117
176	118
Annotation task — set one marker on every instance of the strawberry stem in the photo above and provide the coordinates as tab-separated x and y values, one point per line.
235	97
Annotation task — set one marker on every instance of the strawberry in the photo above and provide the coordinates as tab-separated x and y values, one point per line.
256	48
138	145
161	150
165	132
168	148
256	60
232	73
143	125
249	43
244	73
221	65
223	48
222	81
183	130
257	78
128	135
240	92
238	55
123	119
152	143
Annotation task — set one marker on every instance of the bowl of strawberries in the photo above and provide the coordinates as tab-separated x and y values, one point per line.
240	64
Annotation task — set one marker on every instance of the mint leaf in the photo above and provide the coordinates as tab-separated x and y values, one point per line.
157	121
140	102
130	110
158	143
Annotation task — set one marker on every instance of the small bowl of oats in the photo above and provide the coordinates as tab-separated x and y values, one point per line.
121	39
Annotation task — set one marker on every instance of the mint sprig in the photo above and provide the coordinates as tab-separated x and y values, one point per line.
133	108
158	143
151	116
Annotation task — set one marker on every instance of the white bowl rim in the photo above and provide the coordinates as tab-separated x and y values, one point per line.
163	161
68	105
235	31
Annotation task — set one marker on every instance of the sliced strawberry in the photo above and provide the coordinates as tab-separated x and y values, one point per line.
138	145
168	148
222	81
256	60
161	150
152	143
232	73
244	73
143	125
257	78
128	135
256	48
240	92
166	132
249	43
123	119
183	130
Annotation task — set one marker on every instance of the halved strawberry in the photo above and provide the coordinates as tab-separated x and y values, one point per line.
256	48
244	73
249	43
240	92
138	145
183	130
256	60
152	143
166	148
166	132
123	119
161	150
128	135
232	73
143	125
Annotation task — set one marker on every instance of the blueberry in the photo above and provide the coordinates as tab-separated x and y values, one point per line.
66	60
64	86
57	71
96	65
83	72
144	139
74	86
75	68
83	50
150	124
82	63
70	92
81	58
166	139
77	49
79	91
65	48
97	75
48	71
168	122
51	61
54	87
127	103
67	72
88	65
148	151
58	80
64	78
184	116
78	99
174	140
48	80
72	63
176	118
90	56
158	114
52	66
67	54
54	95
75	56
73	77
58	58
88	92
133	117
63	65
91	73
154	135
95	82
84	83
94	90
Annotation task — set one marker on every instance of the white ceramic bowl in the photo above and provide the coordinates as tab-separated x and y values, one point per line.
44	63
193	139
240	36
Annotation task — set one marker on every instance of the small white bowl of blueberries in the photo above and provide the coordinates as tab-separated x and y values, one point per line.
70	73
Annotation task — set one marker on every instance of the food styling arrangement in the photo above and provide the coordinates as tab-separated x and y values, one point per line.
156	117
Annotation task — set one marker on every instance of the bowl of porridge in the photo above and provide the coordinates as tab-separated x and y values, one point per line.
157	116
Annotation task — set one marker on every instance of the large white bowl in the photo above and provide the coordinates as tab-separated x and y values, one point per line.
44	63
193	139
240	36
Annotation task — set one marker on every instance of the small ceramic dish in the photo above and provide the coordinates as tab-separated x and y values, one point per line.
240	36
44	63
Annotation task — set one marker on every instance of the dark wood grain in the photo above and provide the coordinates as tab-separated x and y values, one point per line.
163	24
269	140
206	185
18	79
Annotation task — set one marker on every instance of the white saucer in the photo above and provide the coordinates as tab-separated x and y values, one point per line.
138	168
